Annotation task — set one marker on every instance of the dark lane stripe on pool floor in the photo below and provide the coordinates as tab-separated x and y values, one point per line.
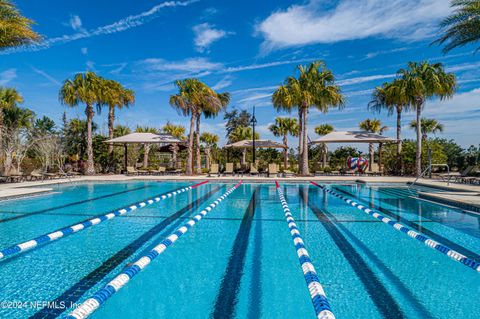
401	287
255	297
75	292
380	296
23	215
227	297
437	237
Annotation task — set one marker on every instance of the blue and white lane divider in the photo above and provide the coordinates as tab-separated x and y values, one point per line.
63	232
92	304
455	255
319	299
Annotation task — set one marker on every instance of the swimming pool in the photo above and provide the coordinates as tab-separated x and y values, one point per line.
239	260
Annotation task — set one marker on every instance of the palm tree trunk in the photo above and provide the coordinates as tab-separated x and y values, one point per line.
189	168
1	133
418	158
146	150
399	141
300	134
244	156
380	149
174	156
111	119
90	165
325	153
371	150
285	151
207	153
305	170
198	155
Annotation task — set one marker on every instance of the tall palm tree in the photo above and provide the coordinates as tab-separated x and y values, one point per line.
392	98
209	140
243	133
114	95
428	126
462	27
177	131
314	87
424	81
283	127
147	146
9	98
211	106
15	29
322	130
373	126
84	88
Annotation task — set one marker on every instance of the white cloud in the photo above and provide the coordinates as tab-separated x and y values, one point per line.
314	22
124	24
76	23
206	34
84	51
256	97
363	79
188	65
461	104
7	76
263	65
47	76
223	83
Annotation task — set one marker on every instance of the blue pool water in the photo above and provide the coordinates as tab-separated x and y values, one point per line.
239	260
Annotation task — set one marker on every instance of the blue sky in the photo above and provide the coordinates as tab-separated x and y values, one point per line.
243	47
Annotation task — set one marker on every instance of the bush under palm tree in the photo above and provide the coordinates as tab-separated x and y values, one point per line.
283	127
322	130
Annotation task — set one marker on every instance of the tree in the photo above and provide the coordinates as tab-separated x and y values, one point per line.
193	97
427	126
314	87
114	95
84	88
44	125
209	140
424	81
15	29
283	127
373	126
236	119
146	147
462	27
9	98
392	98
243	133
322	130
177	131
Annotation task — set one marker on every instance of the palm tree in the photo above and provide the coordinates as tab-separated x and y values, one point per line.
322	130
209	140
283	127
424	81
373	126
177	131
462	27
212	105
114	95
392	97
15	29
9	98
314	87
147	146
428	126
243	133
84	88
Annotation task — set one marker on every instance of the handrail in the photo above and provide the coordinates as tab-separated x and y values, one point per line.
429	168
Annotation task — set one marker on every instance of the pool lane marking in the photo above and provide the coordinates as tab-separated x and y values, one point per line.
72	294
317	294
99	298
63	232
380	296
227	299
23	215
453	254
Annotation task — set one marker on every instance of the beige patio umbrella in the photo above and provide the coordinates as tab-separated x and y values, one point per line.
245	144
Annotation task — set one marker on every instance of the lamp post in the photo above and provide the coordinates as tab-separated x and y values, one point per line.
253	121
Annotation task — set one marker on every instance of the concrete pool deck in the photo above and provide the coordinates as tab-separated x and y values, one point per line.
452	193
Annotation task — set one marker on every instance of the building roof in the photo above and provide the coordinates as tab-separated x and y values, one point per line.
353	137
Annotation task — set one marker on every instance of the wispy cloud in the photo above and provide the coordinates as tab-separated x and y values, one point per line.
7	76
121	25
84	51
206	34
363	79
223	83
187	65
317	21
47	76
76	23
263	65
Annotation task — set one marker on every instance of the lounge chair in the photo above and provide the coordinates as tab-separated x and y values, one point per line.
272	169
288	173
159	171
461	177
35	175
131	170
228	169
214	170
375	170
253	169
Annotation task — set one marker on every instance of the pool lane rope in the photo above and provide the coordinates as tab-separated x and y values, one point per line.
455	255
92	304
63	232
317	294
